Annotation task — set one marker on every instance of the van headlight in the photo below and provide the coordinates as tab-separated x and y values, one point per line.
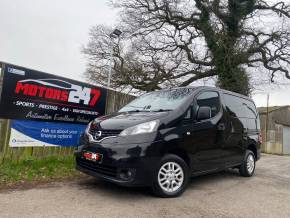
91	124
147	127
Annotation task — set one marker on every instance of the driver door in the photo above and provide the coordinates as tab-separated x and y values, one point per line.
202	137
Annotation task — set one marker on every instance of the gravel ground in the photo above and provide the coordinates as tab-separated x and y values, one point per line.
225	194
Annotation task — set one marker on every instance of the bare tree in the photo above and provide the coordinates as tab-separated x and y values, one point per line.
176	42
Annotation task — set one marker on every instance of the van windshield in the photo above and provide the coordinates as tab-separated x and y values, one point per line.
166	100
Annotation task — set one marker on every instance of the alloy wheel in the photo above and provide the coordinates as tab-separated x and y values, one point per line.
170	177
250	163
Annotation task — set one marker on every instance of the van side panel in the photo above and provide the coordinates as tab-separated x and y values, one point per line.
242	129
233	135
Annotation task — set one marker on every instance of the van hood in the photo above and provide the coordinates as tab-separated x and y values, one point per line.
123	120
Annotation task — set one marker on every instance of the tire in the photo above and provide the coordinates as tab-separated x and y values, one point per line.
171	172
248	166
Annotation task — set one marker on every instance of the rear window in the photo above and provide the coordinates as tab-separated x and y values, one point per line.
240	107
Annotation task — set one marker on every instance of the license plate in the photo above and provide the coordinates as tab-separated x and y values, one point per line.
96	157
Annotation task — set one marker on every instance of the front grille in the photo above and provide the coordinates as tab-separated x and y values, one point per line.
99	134
98	168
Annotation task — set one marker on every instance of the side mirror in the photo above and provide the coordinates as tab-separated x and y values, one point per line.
203	113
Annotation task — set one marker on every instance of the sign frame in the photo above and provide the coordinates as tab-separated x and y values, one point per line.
2	66
35	95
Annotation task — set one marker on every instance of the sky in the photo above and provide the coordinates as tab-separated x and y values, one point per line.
48	35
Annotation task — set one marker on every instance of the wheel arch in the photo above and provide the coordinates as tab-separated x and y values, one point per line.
253	148
182	154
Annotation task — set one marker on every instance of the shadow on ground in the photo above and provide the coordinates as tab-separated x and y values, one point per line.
96	185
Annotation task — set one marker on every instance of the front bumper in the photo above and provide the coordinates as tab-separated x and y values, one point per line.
119	160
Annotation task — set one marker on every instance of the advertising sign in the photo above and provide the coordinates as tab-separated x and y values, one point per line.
26	133
33	95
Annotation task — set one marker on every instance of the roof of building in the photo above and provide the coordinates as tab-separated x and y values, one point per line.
263	110
277	114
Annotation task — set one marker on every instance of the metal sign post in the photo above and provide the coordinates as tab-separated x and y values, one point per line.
2	66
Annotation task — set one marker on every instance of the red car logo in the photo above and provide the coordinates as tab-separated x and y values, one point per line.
92	156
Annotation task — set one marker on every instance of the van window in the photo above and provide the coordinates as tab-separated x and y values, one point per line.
209	99
240	107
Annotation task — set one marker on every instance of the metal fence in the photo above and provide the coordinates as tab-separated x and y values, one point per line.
115	100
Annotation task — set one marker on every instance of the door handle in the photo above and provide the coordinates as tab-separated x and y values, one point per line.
221	126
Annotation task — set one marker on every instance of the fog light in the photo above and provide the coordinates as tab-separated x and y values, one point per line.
129	173
126	174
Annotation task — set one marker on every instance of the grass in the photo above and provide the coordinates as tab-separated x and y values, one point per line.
34	170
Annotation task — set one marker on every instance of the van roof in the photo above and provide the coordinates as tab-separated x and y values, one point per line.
228	92
211	88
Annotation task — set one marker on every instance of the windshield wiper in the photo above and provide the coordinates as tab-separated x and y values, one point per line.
158	110
162	110
137	111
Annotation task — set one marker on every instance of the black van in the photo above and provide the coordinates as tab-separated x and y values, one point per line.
163	138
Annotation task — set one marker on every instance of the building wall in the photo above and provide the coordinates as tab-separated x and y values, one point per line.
273	140
274	144
281	116
286	140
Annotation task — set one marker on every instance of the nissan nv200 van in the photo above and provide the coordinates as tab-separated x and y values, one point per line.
163	138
